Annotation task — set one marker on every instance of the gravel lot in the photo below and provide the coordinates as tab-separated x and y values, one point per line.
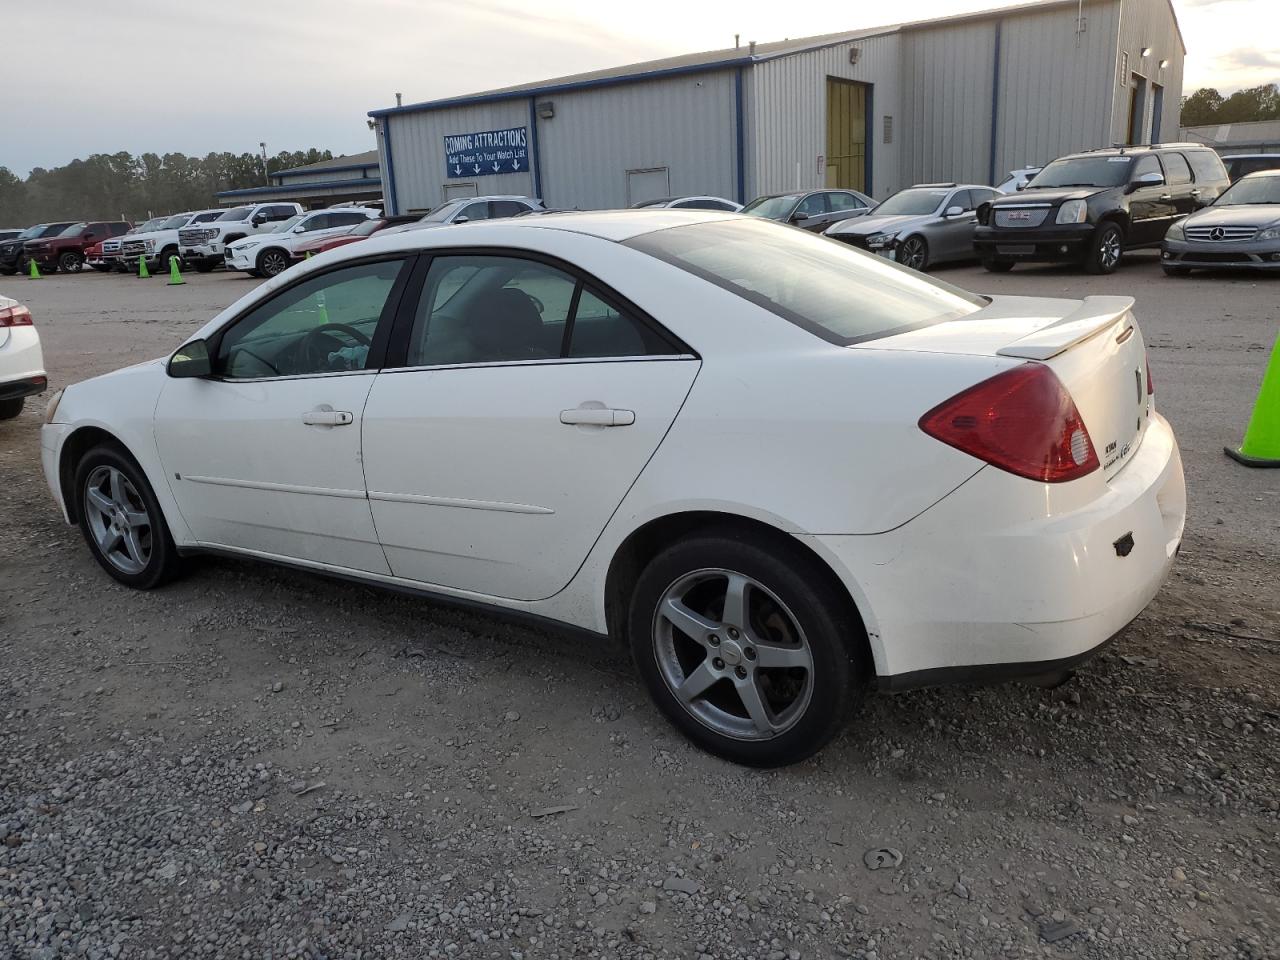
257	763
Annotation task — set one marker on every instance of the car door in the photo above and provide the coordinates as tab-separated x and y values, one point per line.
264	454
528	400
951	236
1150	205
809	212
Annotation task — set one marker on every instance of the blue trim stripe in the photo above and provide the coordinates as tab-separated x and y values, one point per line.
741	135
301	187
995	102
533	149
389	177
868	159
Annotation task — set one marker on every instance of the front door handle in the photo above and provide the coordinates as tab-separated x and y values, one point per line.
598	417
327	418
1166	196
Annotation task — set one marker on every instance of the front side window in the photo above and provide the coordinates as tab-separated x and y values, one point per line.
236	213
74	230
323	325
475	211
1146	165
980	195
321	221
829	289
493	309
812	205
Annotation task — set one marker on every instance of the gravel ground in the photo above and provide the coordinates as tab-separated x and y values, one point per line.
259	763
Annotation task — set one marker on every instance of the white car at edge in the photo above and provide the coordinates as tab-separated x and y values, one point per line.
268	254
783	471
21	362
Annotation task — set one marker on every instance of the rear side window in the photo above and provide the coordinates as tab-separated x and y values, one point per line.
1246	165
500	209
845	201
829	289
1175	169
1207	166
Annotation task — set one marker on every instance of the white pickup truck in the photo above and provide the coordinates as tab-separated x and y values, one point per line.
161	242
204	246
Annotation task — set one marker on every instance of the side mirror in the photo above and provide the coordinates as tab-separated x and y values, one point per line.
799	217
462	219
191	360
259	219
954	211
1022	185
1147	180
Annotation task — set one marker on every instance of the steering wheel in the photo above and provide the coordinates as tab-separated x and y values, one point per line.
311	350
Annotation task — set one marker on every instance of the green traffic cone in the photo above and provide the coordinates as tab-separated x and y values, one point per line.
1261	447
308	256
34	272
175	275
143	272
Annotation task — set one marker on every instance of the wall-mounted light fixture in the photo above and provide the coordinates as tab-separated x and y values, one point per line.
546	109
1164	64
1146	52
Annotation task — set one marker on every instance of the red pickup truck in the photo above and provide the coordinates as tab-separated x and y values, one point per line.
66	251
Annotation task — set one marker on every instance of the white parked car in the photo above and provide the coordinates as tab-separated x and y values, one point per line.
161	241
268	254
204	246
21	363
780	469
473	209
1017	179
689	203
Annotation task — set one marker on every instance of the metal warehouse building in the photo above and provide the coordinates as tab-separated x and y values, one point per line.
965	98
322	184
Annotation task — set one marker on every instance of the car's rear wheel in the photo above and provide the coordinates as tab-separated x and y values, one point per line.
11	408
1176	271
122	521
993	265
70	262
1105	250
913	252
747	649
272	262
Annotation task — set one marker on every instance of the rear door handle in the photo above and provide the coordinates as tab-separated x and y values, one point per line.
327	418
598	417
1195	192
1166	196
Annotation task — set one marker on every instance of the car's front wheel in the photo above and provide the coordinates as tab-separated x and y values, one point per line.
272	262
913	252
1105	249
70	262
121	520
748	648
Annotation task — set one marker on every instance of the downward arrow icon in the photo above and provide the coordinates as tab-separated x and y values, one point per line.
515	164
457	169
477	168
495	166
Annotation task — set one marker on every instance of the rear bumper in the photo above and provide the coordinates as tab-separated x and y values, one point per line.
25	387
981	587
1054	244
1252	255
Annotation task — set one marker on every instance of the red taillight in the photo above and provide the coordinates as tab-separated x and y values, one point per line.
1151	386
18	316
1022	421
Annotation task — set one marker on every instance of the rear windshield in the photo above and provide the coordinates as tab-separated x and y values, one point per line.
236	213
1107	171
830	289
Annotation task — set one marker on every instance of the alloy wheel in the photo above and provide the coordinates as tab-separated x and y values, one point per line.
274	263
1109	250
118	519
912	254
732	654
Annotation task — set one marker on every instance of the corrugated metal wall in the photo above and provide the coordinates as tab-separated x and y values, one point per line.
417	152
787	115
325	176
685	124
1055	88
1148	23
947	99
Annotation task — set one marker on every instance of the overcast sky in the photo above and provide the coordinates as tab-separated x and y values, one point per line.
164	75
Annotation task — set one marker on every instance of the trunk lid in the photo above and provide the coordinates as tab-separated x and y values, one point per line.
1094	346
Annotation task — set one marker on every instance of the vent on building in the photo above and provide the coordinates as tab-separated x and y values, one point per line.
1124	69
888	129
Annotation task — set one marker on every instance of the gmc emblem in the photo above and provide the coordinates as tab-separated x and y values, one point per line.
1019	215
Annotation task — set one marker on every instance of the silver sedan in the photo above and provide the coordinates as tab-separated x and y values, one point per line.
921	225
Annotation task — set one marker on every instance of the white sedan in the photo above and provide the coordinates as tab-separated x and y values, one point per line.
781	470
21	363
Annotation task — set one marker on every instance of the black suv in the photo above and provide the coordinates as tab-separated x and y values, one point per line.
1088	208
11	250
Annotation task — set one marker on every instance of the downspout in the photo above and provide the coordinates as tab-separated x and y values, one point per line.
389	186
995	103
534	156
741	137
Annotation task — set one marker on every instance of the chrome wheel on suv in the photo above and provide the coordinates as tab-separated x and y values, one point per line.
1105	250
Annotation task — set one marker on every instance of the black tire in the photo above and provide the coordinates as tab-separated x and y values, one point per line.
808	598
272	262
11	408
162	560
70	262
1176	271
913	252
993	265
163	259
203	266
1106	249
8	271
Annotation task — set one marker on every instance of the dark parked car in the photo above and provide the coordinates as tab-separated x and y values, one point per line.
1089	208
1239	230
1242	164
812	209
66	251
11	250
919	226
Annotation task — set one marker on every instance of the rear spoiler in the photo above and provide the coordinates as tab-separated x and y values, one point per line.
1094	315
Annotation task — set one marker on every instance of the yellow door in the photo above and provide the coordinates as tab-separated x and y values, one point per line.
846	134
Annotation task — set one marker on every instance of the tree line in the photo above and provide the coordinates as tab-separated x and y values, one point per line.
107	186
1207	106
